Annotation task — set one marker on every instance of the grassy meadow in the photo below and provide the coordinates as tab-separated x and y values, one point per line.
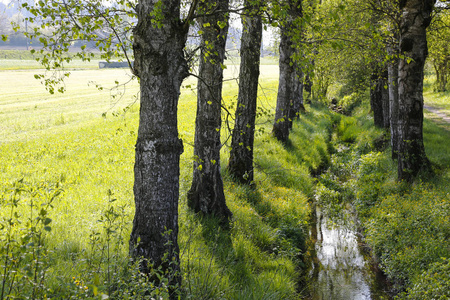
66	197
66	172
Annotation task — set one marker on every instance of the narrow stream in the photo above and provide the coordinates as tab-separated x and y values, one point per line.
339	270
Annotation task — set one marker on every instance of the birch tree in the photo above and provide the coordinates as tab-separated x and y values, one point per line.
415	18
240	165
206	194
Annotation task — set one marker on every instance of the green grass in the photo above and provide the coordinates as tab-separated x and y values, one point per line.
19	64
436	99
63	140
25	60
406	225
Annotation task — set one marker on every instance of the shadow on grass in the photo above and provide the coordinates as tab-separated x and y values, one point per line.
220	244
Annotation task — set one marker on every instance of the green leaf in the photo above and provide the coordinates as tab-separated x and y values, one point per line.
222	24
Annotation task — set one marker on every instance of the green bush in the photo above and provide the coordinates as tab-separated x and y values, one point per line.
373	179
348	129
410	232
433	283
349	102
330	200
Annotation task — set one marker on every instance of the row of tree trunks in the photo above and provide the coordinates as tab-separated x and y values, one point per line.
206	194
401	111
240	165
161	67
442	70
289	76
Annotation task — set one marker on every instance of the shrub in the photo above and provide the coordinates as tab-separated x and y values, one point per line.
349	102
374	170
348	129
433	283
409	232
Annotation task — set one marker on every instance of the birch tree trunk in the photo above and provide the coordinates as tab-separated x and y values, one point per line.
393	103
297	96
385	99
206	194
416	17
161	66
240	165
286	88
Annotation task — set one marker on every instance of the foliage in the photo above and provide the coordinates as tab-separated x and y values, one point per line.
373	179
342	42
25	258
407	226
433	283
348	129
439	52
103	25
349	102
408	232
28	268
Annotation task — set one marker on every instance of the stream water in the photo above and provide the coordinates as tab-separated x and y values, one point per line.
339	270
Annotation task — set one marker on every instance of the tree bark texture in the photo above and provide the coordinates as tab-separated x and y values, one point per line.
240	165
206	194
286	89
416	16
379	100
161	66
393	103
385	99
297	102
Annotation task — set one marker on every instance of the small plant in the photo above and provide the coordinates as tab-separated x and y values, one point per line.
24	256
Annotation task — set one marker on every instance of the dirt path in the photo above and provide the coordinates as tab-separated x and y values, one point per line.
437	112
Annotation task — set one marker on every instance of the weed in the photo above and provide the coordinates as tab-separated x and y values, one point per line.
25	257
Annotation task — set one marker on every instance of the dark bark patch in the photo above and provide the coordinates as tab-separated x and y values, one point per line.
406	45
417	110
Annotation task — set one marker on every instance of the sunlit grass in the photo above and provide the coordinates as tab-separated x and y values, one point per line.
65	139
437	99
406	225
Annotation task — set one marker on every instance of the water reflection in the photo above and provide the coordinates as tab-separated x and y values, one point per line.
339	270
